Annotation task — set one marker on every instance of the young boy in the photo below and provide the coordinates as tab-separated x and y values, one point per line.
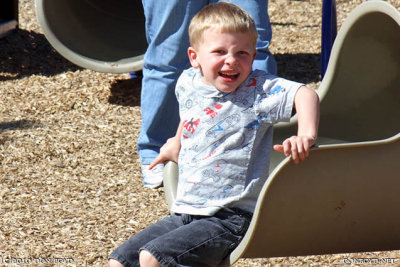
222	144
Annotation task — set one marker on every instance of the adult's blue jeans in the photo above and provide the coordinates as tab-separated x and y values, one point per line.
167	24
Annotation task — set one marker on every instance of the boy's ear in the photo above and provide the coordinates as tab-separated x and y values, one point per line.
193	57
255	54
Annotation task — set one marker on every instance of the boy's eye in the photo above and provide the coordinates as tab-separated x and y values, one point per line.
242	53
219	52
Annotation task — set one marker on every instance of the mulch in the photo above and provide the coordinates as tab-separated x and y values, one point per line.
70	182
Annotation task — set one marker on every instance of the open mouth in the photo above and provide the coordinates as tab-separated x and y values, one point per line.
229	76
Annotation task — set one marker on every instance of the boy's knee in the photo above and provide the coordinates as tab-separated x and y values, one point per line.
115	263
147	259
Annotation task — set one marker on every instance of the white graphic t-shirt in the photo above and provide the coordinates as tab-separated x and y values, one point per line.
227	139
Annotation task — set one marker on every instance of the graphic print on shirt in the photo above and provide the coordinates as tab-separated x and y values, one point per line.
189	104
216	154
231	139
222	126
244	97
276	90
206	153
252	125
190	127
268	104
214	172
228	133
213	195
253	82
213	110
215	175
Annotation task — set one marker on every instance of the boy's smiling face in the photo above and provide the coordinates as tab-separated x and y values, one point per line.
225	59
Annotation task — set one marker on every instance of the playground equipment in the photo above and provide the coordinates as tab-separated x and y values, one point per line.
105	36
360	94
8	16
344	198
109	36
328	32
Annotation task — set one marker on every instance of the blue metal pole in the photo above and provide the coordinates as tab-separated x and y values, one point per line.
329	31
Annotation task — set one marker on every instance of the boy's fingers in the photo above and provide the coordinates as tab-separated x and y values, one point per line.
151	166
278	148
298	148
156	161
294	152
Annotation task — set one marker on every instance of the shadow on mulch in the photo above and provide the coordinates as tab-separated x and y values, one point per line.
126	92
24	53
17	125
304	68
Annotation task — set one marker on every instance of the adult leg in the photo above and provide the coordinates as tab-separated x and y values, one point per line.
258	9
165	58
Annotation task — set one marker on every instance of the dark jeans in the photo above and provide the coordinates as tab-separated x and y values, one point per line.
187	240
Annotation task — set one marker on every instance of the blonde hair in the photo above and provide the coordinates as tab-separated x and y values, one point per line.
223	16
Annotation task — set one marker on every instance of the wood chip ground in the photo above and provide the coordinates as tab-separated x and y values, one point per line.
70	182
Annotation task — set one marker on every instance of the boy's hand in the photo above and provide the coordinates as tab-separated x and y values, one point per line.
296	146
169	151
307	107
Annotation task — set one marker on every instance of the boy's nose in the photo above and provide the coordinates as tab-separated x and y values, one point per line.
231	60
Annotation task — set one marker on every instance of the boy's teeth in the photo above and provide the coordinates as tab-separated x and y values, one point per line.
229	74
